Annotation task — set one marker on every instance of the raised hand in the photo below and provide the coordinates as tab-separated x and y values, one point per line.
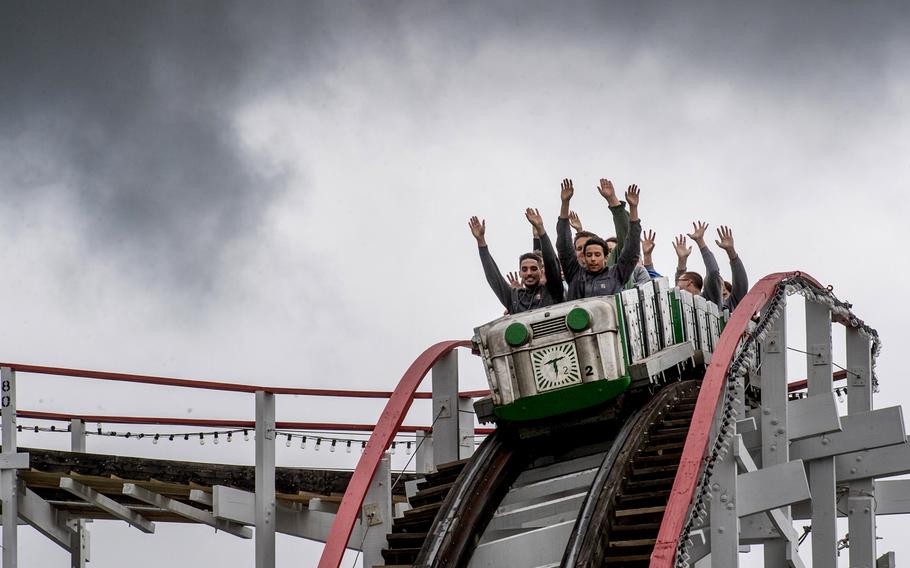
574	221
682	251
698	232
725	234
514	281
648	242
567	190
632	195
535	219
478	229
607	191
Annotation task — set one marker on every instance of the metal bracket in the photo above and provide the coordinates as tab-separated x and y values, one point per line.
819	354
14	460
372	514
445	407
772	344
857	376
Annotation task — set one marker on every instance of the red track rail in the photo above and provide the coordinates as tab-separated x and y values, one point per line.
213	385
712	387
389	423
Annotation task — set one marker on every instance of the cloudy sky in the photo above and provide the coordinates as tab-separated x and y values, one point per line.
279	195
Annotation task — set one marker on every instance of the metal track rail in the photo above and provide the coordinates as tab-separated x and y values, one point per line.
471	502
618	523
490	500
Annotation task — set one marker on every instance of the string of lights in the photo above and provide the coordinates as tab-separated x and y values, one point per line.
316	441
839	391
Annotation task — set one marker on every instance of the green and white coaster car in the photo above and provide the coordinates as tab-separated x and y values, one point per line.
576	355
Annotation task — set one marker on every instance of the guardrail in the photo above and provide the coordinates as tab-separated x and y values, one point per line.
265	426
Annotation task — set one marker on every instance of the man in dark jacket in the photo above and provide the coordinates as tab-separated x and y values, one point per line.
533	269
598	279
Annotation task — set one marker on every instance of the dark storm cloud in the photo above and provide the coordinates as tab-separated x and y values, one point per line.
126	108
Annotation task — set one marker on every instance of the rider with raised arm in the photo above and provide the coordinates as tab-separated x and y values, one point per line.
648	242
599	279
564	243
740	284
533	293
711	286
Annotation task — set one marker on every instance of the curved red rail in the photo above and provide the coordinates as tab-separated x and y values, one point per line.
712	387
212	385
389	423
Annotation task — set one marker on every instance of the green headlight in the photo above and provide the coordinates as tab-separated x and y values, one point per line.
517	334
578	319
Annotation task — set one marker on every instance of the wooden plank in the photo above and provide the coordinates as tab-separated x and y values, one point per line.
641	511
196	475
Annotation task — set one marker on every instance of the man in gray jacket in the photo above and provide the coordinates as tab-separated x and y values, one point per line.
534	270
598	279
571	252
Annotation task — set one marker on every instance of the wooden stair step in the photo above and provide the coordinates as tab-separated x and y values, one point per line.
658	458
397	539
652	449
400	555
668	434
627	558
640	511
677	422
420	524
661	483
422	511
632	543
671	468
637	527
626	498
431	494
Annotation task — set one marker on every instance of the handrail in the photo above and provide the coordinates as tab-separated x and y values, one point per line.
389	423
217	423
214	385
690	465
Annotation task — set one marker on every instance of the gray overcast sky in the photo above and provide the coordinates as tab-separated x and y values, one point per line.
280	194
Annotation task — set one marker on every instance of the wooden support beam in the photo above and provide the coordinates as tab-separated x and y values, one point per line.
184	510
238	506
107	504
861	431
44	517
771	488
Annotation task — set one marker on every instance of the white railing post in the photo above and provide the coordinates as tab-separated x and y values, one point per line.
861	499
79	543
775	441
453	419
376	514
9	484
724	517
265	480
423	455
822	483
